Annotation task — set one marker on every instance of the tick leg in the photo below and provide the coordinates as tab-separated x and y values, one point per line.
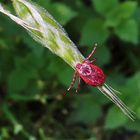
92	61
78	84
93	51
73	81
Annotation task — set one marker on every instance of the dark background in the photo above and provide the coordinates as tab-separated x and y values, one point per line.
34	102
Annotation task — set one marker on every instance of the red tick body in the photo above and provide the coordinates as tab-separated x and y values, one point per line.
91	74
88	72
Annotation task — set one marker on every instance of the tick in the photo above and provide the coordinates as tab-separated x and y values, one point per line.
88	72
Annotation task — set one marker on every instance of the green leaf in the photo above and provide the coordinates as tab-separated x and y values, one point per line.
94	31
104	7
65	76
122	12
61	70
132	92
115	118
87	110
128	31
133	126
127	9
25	70
103	55
19	79
136	15
62	13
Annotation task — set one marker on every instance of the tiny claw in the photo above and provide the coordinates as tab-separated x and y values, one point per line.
94	60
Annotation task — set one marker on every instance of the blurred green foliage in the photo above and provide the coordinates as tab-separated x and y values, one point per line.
34	103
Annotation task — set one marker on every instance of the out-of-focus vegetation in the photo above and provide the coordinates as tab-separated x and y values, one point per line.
34	102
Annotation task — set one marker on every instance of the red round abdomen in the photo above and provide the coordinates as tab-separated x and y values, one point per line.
96	78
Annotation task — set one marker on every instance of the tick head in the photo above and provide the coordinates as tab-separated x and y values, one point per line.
83	69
